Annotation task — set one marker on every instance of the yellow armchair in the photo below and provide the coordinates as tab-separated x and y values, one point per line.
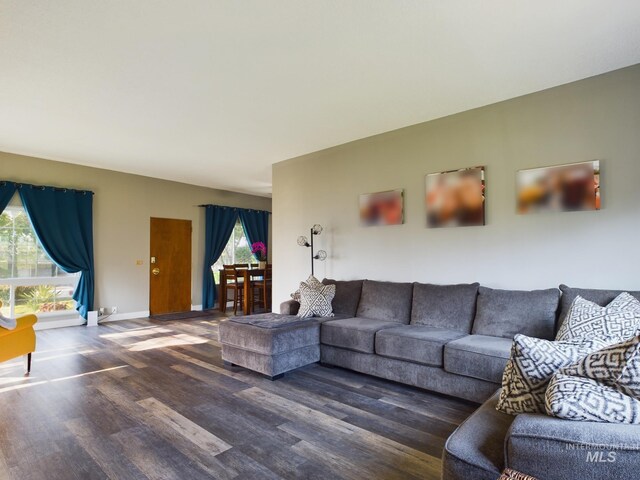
19	341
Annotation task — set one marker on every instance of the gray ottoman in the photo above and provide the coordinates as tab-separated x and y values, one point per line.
270	343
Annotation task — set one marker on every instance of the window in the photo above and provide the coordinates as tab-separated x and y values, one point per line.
29	281
237	250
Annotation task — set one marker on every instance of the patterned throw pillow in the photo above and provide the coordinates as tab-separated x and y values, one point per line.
616	366
316	301
584	399
510	474
532	363
311	281
620	319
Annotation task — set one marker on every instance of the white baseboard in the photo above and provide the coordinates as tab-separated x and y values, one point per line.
115	317
197	308
77	320
46	324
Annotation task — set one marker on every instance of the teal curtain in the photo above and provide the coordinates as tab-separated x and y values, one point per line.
219	226
63	222
256	225
7	189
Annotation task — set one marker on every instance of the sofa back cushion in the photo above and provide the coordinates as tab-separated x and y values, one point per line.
388	301
503	313
600	297
447	306
347	296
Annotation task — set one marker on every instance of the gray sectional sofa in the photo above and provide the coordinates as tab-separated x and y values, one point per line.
452	339
456	340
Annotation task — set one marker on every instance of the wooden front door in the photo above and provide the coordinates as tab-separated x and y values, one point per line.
170	266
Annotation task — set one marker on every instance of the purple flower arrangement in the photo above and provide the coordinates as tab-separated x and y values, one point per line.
259	249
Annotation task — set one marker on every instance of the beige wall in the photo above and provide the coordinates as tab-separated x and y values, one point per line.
597	118
122	207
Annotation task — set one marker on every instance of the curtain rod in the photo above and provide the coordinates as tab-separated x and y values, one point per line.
4	183
235	208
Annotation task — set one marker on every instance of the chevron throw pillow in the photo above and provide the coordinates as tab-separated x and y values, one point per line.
316	301
616	366
532	363
619	319
584	399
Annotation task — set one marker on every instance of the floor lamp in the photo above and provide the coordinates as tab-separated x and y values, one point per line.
304	242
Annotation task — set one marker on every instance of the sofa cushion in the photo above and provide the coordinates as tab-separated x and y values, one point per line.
478	356
503	313
347	296
600	297
475	450
551	448
386	301
446	306
620	318
415	343
353	333
584	399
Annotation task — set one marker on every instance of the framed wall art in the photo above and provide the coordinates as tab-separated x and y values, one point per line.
455	198
562	188
382	208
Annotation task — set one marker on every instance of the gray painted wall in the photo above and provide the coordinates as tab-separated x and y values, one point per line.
123	205
596	118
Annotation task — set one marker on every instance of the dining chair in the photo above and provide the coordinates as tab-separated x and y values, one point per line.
255	265
235	282
263	286
241	265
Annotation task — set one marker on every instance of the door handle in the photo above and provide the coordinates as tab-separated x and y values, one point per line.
156	271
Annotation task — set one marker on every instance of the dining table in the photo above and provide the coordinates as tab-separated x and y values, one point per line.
248	275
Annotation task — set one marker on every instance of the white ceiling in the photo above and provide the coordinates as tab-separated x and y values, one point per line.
214	92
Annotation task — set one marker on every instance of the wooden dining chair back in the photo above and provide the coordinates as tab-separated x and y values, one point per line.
263	286
234	281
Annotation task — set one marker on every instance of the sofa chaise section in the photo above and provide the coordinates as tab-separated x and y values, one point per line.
475	450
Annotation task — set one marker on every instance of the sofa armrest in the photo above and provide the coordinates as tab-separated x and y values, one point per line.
548	447
290	307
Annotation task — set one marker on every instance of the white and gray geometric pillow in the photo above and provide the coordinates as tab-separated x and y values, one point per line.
585	319
316	301
532	363
616	366
312	282
584	399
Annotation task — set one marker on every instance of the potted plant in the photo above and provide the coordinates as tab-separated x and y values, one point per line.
259	249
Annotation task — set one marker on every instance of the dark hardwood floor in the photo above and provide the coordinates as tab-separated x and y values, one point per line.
152	399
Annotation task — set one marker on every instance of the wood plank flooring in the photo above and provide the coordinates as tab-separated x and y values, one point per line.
149	399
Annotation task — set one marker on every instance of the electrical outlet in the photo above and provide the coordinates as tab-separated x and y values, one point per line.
114	310
102	311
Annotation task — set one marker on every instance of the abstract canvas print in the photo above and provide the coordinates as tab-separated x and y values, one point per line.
562	188
382	208
455	198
